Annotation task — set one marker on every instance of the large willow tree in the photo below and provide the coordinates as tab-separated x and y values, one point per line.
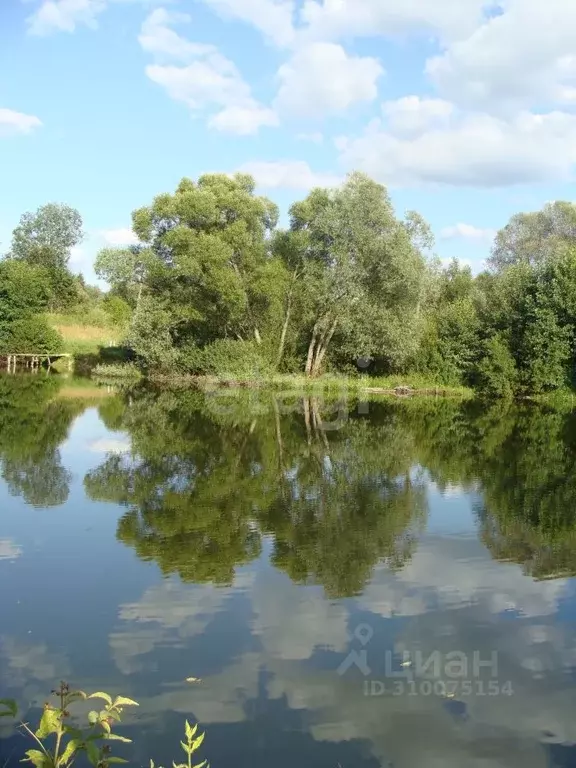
360	272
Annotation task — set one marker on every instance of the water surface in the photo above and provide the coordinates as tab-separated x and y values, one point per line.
257	540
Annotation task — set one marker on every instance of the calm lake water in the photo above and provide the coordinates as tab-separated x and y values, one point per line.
329	571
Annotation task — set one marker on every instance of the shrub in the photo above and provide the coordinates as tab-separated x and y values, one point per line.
24	290
229	358
149	336
32	335
496	371
117	309
60	738
117	371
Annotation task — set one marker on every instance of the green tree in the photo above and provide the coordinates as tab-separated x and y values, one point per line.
125	269
46	236
546	350
210	248
360	269
533	238
449	345
496	371
24	290
30	335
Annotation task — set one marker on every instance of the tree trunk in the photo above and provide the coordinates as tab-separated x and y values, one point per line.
284	331
311	349
286	320
322	348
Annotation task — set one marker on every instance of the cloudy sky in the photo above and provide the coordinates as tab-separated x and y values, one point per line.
466	109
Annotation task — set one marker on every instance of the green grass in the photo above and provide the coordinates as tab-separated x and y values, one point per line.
117	371
327	383
86	334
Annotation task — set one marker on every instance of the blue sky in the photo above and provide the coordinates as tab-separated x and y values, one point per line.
465	110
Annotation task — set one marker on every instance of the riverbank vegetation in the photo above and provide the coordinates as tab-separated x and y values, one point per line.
62	737
44	306
215	288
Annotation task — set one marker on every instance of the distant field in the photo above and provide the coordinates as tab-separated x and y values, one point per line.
85	337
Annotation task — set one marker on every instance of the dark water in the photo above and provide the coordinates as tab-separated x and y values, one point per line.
256	542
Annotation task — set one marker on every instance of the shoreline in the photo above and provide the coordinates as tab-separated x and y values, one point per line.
297	382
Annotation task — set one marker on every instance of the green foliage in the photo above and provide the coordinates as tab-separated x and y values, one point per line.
126	269
191	745
149	335
59	742
205	256
535	238
496	371
450	339
32	335
117	371
360	269
118	310
24	290
46	236
64	288
214	288
547	352
229	358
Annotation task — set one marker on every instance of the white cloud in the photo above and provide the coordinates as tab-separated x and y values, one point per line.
244	119
9	550
122	236
467	232
13	123
322	79
157	38
64	15
314	138
274	18
522	57
335	19
288	174
463	578
203	78
292	622
473	149
412	115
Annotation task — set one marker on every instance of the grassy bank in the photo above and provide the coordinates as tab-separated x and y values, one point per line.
360	385
86	335
92	339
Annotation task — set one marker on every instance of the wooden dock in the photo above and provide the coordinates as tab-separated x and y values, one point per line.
35	361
